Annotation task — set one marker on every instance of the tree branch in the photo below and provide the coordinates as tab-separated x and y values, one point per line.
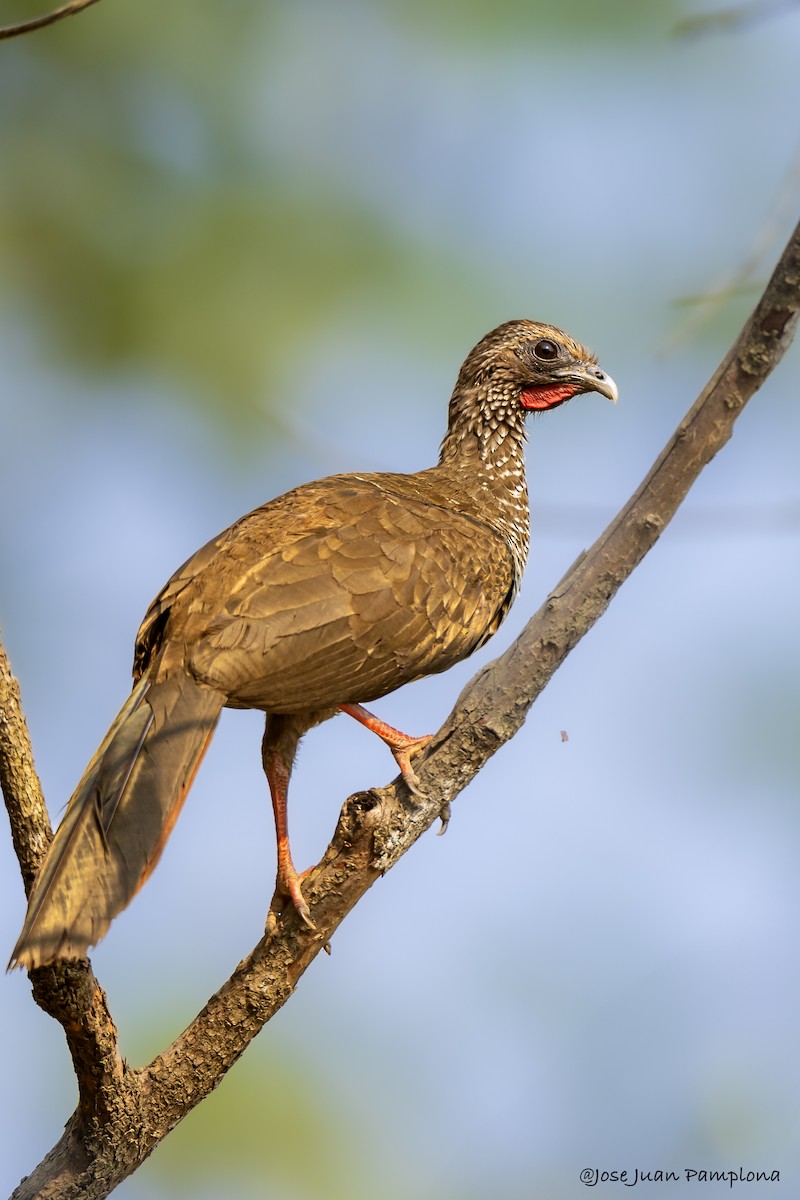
58	14
30	824
123	1114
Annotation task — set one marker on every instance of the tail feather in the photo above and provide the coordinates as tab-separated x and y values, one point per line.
119	818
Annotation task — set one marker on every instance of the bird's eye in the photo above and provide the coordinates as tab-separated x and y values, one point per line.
545	349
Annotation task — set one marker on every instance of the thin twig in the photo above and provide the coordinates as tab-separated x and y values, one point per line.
731	19
58	14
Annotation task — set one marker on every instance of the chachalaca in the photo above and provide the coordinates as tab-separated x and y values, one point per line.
331	595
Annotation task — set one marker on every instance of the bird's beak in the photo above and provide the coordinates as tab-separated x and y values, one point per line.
592	379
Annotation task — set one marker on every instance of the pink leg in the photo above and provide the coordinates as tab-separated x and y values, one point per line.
278	770
401	745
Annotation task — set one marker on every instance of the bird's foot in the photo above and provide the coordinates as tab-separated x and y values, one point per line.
287	887
402	745
402	756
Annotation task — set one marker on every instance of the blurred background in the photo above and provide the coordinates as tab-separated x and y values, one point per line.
244	245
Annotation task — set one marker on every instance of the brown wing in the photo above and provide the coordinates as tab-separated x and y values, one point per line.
340	591
151	633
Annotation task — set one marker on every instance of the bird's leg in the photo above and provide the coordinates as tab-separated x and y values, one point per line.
277	754
402	745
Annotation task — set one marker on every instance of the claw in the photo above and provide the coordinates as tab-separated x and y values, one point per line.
402	756
287	886
410	777
304	913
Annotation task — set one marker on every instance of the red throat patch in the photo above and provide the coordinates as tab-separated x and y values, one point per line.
547	397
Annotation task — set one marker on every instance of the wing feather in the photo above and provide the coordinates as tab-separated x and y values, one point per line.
337	594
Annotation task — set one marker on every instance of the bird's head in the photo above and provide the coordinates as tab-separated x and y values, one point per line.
525	365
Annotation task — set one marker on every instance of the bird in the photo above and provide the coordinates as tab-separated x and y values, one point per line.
328	597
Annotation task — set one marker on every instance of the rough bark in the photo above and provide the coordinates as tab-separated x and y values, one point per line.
122	1113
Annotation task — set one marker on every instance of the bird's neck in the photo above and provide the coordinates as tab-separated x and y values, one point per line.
483	453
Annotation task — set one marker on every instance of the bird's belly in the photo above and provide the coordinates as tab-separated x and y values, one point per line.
330	666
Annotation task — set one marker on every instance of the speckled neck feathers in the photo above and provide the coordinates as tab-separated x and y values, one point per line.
483	454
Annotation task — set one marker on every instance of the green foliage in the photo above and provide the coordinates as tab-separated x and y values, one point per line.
149	222
140	228
512	20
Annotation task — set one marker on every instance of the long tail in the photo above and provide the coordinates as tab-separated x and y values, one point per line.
119	818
